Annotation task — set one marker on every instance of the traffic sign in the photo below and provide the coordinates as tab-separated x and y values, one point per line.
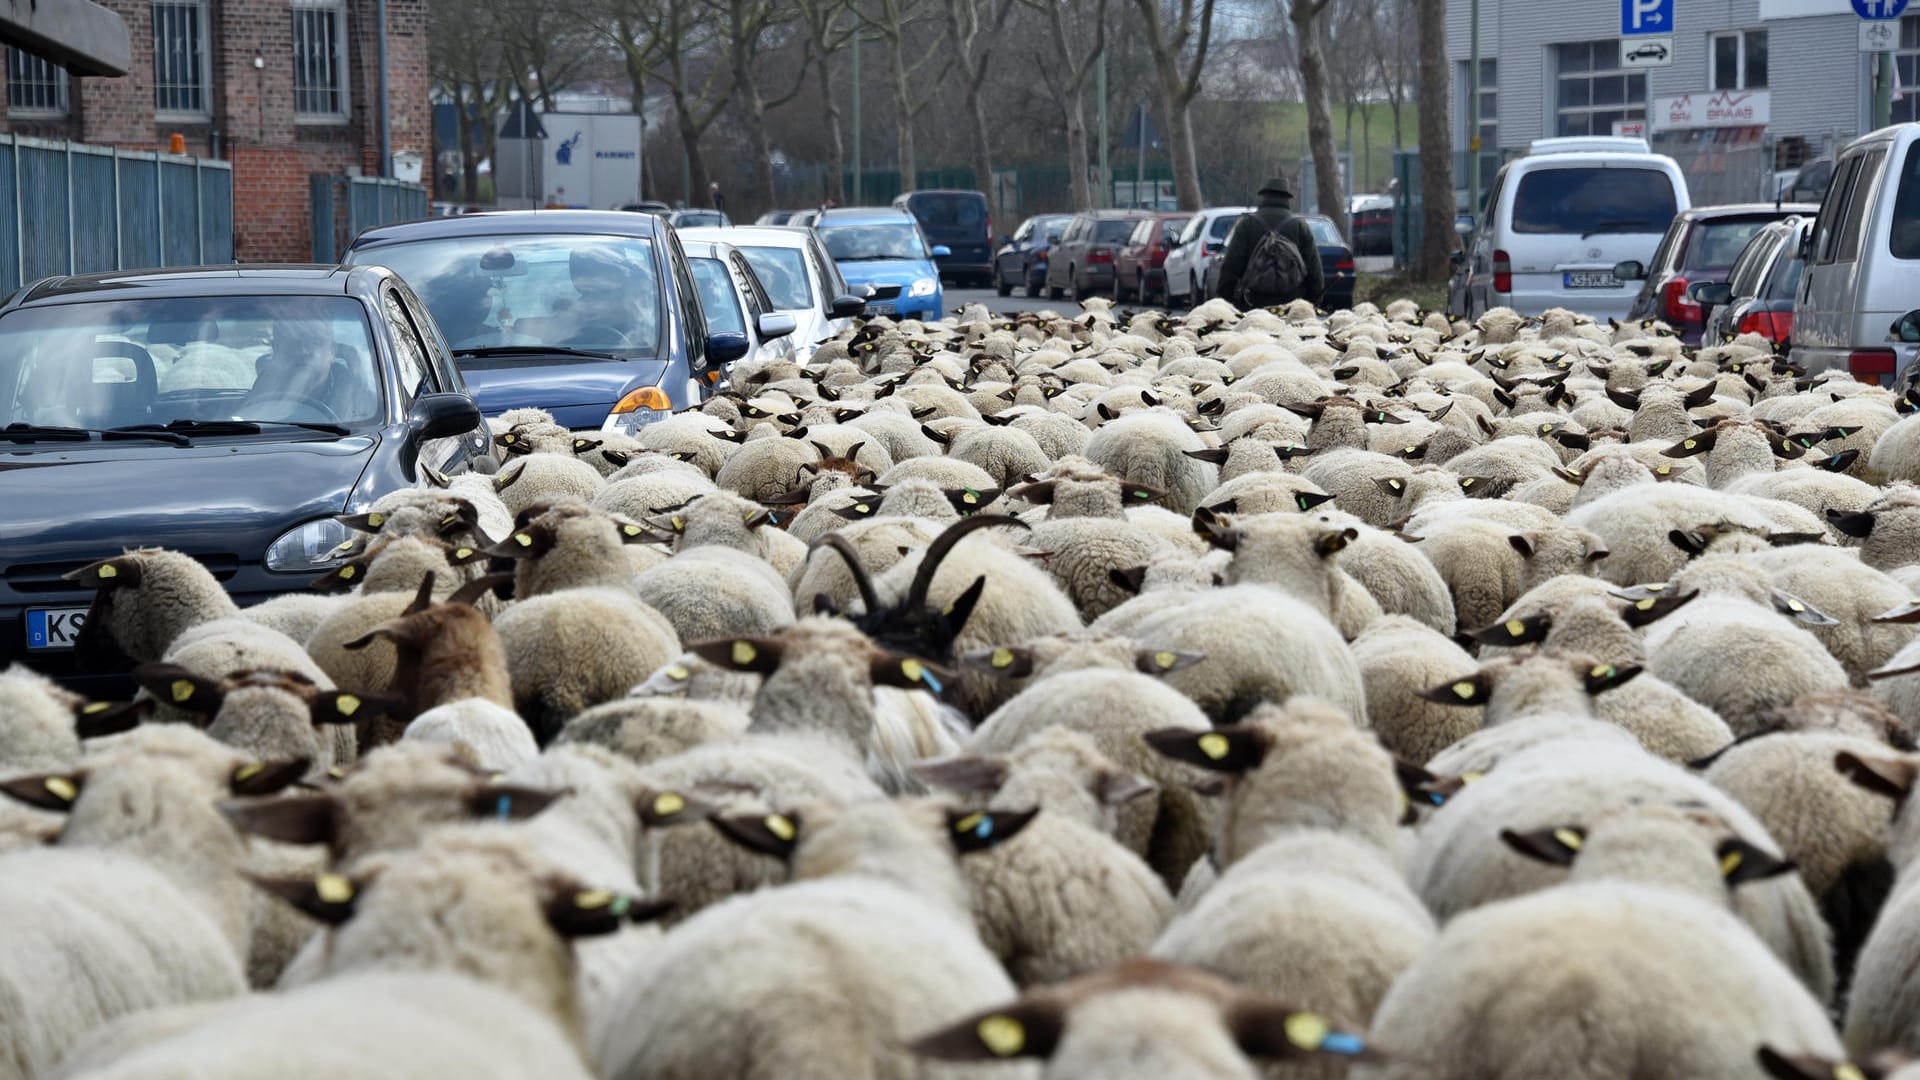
1646	52
1879	35
1871	9
1656	16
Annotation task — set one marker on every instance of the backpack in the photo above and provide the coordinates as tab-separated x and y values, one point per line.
1275	270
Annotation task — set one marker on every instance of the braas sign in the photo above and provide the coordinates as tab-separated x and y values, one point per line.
1711	109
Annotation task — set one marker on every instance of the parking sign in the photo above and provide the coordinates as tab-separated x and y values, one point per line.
1656	16
1879	9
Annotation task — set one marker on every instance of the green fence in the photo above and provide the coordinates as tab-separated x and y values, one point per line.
1407	233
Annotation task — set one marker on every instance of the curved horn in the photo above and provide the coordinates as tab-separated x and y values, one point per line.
835	542
943	544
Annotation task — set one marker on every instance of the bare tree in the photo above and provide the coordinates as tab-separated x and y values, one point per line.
898	23
1309	34
467	62
1436	143
668	41
829	27
973	40
1067	19
747	26
1179	49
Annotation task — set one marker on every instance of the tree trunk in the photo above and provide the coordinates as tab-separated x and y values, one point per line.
469	154
755	108
697	179
1186	166
1078	164
1436	143
1313	79
1366	148
903	109
836	142
982	150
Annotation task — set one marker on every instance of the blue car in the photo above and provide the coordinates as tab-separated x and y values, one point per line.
588	314
881	250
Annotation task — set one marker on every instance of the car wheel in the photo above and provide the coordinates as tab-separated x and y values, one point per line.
1194	299
1000	283
1054	292
1080	292
1033	291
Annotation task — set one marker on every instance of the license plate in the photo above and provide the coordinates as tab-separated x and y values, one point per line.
54	628
1591	279
882	309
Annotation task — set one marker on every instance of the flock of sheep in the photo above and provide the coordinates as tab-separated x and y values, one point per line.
1378	695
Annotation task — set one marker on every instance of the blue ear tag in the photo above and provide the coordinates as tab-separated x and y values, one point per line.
1436	798
504	808
1339	1042
985	828
926	676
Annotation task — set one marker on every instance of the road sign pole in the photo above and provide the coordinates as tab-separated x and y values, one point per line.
1882	90
1473	115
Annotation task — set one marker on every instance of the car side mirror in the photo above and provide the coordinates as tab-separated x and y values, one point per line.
1456	258
1710	293
775	325
847	307
726	347
1907	329
941	251
1630	270
442	416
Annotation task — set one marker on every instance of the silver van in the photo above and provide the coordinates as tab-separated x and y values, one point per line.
1863	262
1559	219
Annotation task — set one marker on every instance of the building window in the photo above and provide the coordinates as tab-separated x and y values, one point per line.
320	59
180	58
1489	103
1906	68
36	86
1593	91
1739	60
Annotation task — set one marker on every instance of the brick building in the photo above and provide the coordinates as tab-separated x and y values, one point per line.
280	88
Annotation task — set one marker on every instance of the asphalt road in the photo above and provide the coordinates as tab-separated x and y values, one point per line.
958	298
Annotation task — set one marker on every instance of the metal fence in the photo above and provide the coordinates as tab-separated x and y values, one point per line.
1407	206
344	205
71	208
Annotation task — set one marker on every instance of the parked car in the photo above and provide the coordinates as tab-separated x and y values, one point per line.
1559	220
775	217
1022	258
800	278
1082	262
1336	265
735	302
1811	181
804	217
1863	254
230	413
1757	296
959	222
1204	237
647	207
1700	246
697	218
1372	217
1139	270
883	249
584	313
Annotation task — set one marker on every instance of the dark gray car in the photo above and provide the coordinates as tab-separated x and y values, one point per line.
1082	262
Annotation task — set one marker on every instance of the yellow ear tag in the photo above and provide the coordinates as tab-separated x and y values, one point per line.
667	804
346	704
744	652
1646	605
1600	671
1664	470
337	773
1003	1036
376	520
1516	628
912	669
1165	660
1465	690
1214	745
1568	839
248	771
1467	483
1689	444
592	898
1472	777
333	889
463	553
780	826
1795	605
863	508
969	823
630	530
448	520
1847	1070
679	523
108	571
1546	429
1661	587
347	572
1404	805
678	673
523	539
95	708
60	787
1002	658
1729	863
1305	1030
181	690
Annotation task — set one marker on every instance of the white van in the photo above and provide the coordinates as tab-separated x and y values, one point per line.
1863	261
1559	219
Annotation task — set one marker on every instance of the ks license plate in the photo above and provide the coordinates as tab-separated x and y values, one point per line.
54	628
1591	279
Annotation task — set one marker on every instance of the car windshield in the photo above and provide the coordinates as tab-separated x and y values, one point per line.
1716	244
1113	232
941	211
1587	201
1324	232
120	363
784	273
1903	236
857	243
717	300
1222	225
596	294
692	219
1784	280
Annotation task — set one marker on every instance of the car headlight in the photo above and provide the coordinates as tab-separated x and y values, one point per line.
641	406
924	287
313	546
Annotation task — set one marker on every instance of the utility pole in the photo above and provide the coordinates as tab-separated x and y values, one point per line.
1102	200
1882	90
858	168
1473	118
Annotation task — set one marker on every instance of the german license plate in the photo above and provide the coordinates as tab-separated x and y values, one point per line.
1591	279
882	309
54	628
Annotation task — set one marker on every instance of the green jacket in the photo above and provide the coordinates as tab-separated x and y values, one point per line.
1272	214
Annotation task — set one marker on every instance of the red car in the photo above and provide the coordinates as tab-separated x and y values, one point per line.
1139	268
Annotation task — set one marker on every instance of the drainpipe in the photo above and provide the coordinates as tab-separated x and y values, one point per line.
386	139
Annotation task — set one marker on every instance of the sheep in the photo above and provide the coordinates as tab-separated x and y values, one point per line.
1083	553
710	591
575	648
1487	566
765	468
268	715
1399	659
1839	585
1005	453
1353	477
546	478
1885	527
1293	553
1150	448
145	599
568	545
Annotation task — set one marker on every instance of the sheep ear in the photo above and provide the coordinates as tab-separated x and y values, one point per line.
1700	395
96	719
970	501
1858	526
1781	1066
768	834
859	509
46	791
1600	678
511	802
660	809
1571	476
1889	776
1800	611
1378	417
183	689
266	777
307	818
909	673
1626	399
1556	846
1028	1028
340	707
1212	455
369	522
978	830
1520	542
1652	608
617	458
1218	533
1835	463
1741	862
1905	613
1389	486
1688	447
593	912
1327	543
1227	750
1474	689
326	897
759	655
344	576
1307	500
1528	631
529	542
1277	1033
1132	579
1037	491
1164	661
1573	440
1289	451
1006	662
1687	540
1661	367
963	772
756	518
632	532
935	435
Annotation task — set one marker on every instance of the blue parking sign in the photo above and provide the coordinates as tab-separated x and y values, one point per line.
1879	9
1656	16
